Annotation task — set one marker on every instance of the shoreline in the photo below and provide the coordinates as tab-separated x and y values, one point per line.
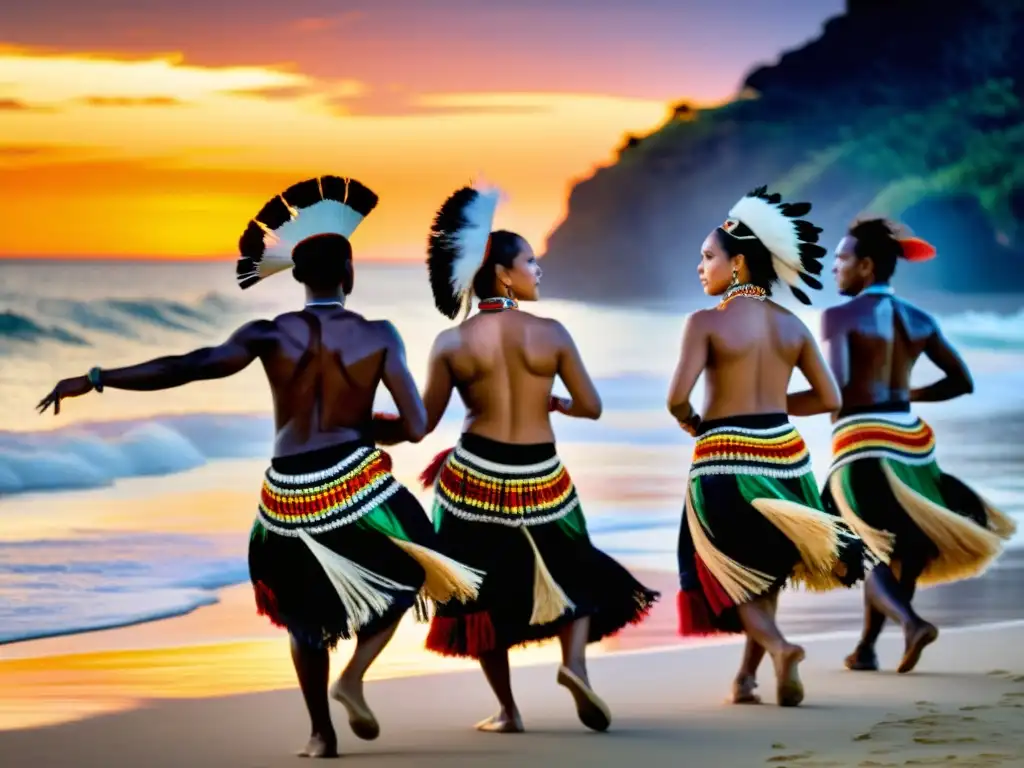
225	649
961	706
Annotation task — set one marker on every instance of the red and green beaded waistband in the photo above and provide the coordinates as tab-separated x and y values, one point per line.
321	501
902	437
514	495
731	450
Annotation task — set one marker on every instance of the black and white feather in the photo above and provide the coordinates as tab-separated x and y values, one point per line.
791	240
318	206
457	245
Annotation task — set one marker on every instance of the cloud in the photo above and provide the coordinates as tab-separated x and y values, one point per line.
58	77
275	92
26	151
310	24
396	102
131	101
17	105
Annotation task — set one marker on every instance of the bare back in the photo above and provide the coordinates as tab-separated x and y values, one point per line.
881	338
324	366
503	365
753	348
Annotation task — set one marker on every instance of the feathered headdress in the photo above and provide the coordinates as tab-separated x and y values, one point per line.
791	241
325	205
458	244
916	249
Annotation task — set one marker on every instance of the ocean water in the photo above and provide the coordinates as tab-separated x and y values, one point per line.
135	506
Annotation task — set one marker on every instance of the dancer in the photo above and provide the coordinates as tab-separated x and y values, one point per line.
504	501
338	546
924	526
753	518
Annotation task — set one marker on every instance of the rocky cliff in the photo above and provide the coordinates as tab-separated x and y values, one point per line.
904	108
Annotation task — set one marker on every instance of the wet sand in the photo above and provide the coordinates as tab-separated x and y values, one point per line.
964	706
225	649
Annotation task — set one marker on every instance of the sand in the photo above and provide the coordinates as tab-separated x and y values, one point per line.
964	706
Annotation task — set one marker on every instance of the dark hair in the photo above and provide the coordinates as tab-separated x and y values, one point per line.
758	257
324	262
877	240
502	250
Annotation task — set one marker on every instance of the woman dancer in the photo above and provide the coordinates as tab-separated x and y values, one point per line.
753	518
339	547
504	501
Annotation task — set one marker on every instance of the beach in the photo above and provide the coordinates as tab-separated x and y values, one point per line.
128	630
962	706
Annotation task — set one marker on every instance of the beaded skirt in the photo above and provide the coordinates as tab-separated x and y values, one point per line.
885	482
753	522
339	547
512	511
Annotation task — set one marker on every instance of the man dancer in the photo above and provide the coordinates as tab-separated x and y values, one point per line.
339	547
924	526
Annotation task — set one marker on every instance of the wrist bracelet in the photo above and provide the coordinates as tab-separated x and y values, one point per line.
94	378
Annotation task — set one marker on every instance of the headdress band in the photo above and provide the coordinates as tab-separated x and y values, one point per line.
791	241
325	205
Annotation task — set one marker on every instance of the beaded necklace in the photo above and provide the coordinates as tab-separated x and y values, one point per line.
748	290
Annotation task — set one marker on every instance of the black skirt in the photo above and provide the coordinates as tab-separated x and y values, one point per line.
512	512
885	482
339	547
754	522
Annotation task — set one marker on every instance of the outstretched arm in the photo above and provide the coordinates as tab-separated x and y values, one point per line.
440	382
958	379
584	402
410	426
218	362
693	358
824	395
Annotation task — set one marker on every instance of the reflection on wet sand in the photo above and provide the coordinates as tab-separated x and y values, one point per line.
201	655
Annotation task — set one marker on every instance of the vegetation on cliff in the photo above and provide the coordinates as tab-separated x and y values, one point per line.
903	108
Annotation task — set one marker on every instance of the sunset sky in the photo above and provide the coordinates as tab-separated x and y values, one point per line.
159	130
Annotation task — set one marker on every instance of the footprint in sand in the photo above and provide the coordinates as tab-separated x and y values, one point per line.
787	758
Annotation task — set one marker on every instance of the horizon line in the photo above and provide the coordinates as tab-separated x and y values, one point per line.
169	259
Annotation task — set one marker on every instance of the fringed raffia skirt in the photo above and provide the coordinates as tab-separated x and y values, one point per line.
754	521
886	484
512	511
340	548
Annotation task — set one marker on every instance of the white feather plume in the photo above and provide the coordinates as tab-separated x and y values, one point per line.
776	231
471	240
325	217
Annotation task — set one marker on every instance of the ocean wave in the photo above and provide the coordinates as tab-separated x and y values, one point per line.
63	586
67	321
73	322
95	455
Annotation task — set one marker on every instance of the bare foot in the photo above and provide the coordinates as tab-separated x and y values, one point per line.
862	660
790	691
743	690
590	709
502	722
360	717
918	638
320	745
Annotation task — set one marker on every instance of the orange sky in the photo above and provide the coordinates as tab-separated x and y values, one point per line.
133	151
